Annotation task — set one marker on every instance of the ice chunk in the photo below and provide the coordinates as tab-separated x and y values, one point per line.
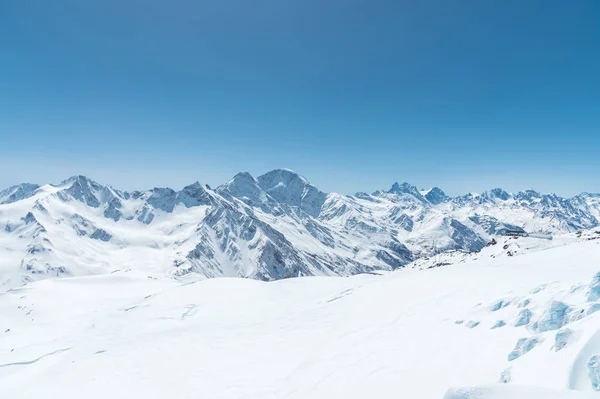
523	346
562	338
505	376
576	287
524	303
538	289
499	323
594	293
499	305
472	324
554	317
594	371
592	309
524	318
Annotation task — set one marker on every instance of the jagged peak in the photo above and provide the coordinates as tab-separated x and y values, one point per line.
17	192
196	185
498	193
338	197
116	192
288	187
82	189
162	193
588	195
31	186
406	188
437	190
81	179
279	180
402	188
162	190
282	175
244	176
240	184
530	191
528	195
244	187
195	194
436	196
89	191
29	218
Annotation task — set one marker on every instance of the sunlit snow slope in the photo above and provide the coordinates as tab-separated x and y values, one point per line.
521	326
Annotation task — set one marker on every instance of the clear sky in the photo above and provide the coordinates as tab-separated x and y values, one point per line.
465	95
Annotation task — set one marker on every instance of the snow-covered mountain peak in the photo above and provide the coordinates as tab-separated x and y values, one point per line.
245	187
244	176
194	195
528	195
585	194
403	193
404	188
80	180
283	175
242	184
499	194
83	189
17	193
436	196
162	198
288	187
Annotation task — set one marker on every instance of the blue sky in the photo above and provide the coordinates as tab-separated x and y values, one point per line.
465	95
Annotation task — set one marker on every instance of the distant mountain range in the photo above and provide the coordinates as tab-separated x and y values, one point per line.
271	227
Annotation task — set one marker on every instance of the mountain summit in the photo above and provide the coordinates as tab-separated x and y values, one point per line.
288	187
436	196
17	193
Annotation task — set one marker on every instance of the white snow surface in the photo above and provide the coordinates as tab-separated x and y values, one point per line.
411	333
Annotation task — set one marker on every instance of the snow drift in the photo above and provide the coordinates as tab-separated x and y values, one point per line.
410	333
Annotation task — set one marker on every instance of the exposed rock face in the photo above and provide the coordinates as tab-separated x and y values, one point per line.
17	193
289	188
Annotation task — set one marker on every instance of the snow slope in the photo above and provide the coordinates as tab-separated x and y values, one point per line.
528	322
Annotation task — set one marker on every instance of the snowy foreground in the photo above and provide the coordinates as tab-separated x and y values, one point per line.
505	327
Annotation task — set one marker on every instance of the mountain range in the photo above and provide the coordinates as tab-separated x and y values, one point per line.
275	226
